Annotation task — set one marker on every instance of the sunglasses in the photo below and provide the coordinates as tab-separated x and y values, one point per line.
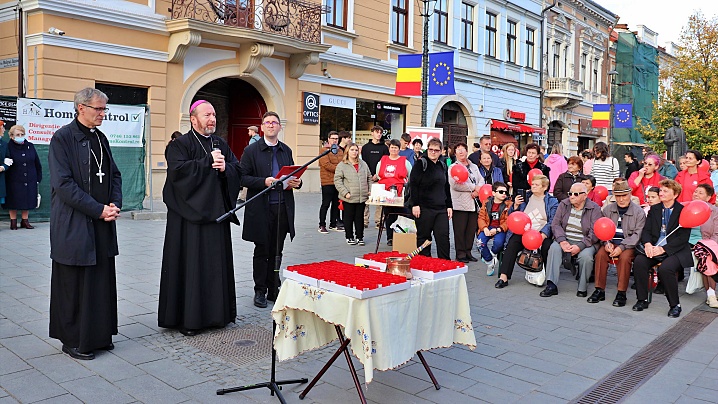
575	193
502	192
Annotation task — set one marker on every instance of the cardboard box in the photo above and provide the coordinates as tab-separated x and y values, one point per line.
404	242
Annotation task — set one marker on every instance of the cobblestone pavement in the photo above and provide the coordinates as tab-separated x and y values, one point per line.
529	348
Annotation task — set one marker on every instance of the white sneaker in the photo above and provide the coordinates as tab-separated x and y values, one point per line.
361	241
491	267
713	302
351	241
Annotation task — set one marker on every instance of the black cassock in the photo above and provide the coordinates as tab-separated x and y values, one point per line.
197	284
83	299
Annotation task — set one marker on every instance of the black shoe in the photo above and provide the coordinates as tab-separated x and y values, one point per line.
582	294
620	299
108	347
471	258
659	289
188	333
551	290
598	295
633	286
73	352
272	294
260	300
465	260
674	312
640	305
390	242
501	284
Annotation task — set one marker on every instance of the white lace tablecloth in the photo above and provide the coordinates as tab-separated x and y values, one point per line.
386	331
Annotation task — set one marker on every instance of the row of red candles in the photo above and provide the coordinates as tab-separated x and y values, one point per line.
418	262
347	275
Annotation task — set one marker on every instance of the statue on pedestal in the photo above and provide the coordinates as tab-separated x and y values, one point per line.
675	140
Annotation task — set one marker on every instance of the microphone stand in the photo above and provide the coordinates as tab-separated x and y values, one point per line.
273	384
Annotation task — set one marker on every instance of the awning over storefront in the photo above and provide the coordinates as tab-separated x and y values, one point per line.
500	138
516	127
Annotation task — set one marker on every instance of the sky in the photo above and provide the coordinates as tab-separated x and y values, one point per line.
665	17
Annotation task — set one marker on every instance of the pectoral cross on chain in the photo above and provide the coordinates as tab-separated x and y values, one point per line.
100	174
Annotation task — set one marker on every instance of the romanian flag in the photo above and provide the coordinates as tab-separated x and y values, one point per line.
408	75
601	115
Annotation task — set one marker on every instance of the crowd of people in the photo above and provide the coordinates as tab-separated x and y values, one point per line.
563	202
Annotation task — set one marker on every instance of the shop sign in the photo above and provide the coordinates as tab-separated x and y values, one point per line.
585	127
8	110
382	106
336	101
514	115
310	108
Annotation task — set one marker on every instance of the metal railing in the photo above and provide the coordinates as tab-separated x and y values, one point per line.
564	84
298	19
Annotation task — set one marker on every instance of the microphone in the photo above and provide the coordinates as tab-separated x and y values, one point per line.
215	147
335	149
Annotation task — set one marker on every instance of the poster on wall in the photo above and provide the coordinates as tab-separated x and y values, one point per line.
418	132
124	125
7	113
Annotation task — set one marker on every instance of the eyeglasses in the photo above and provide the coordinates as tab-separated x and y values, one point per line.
333	138
575	193
502	192
434	150
98	109
271	123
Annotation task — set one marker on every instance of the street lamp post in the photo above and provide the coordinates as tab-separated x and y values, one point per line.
426	9
612	80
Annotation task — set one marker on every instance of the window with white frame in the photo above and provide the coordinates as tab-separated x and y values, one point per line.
337	15
511	41
467	26
400	21
595	75
530	47
491	34
584	60
556	58
565	61
441	21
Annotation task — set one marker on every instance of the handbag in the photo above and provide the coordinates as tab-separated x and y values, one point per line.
530	260
641	249
536	278
695	282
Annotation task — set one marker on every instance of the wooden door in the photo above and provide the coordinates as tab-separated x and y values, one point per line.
246	107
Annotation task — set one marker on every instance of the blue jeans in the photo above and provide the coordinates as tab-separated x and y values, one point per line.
496	248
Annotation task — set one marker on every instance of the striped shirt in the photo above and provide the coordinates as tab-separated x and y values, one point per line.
605	171
574	232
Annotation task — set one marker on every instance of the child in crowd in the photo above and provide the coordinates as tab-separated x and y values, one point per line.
651	198
492	224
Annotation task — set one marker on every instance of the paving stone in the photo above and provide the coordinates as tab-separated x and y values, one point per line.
567	386
475	359
379	392
135	330
527	374
447	381
95	389
538	397
63	399
691	400
441	362
20	314
533	363
403	382
60	368
500	381
30	385
492	394
171	373
147	389
112	368
447	396
28	346
135	353
8	400
594	367
207	393
11	363
694	355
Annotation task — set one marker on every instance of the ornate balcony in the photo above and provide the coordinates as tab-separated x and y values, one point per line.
563	92
264	26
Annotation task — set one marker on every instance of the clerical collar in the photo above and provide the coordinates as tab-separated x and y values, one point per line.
84	129
270	144
201	134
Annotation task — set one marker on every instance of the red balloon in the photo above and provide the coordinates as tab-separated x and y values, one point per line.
532	172
601	192
518	222
485	192
703	166
694	214
459	173
532	239
604	229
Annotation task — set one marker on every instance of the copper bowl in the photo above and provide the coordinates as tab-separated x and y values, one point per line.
399	266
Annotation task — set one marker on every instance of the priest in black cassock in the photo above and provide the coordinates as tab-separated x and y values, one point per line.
86	201
197	282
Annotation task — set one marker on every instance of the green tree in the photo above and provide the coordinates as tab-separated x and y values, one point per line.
689	90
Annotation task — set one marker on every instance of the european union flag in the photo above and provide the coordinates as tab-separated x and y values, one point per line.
441	73
623	116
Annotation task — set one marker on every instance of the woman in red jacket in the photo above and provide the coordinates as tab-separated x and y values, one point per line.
692	176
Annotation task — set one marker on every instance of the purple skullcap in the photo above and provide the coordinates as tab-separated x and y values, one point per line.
196	104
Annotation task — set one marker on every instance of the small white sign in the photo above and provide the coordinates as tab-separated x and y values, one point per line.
9	62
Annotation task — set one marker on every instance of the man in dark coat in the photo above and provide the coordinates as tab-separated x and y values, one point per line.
197	288
83	238
268	219
532	151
